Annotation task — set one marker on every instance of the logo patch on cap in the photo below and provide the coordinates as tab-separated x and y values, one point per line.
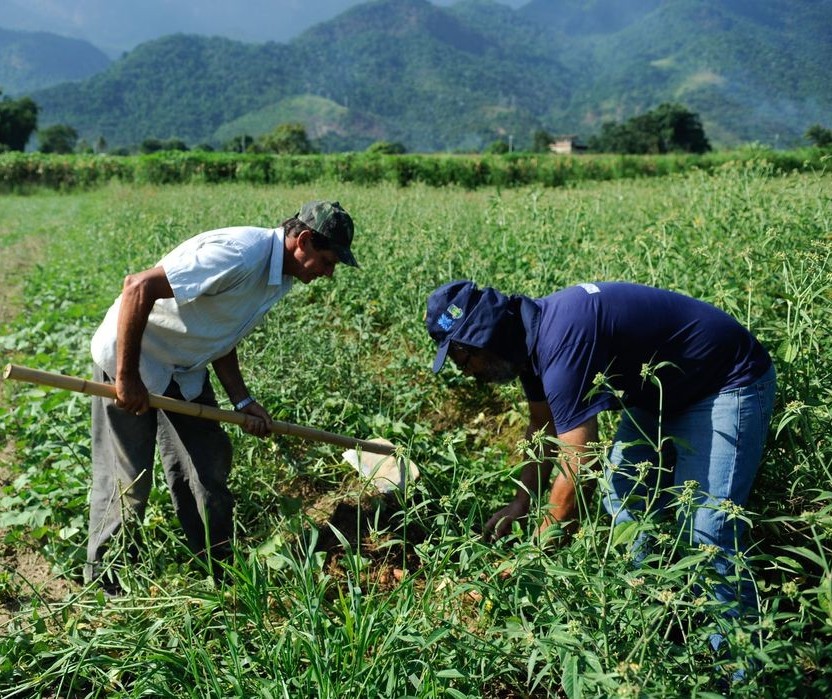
452	314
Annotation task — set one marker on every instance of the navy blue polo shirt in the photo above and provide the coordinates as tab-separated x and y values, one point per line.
614	329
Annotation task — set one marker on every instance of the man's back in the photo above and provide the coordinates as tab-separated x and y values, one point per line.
616	329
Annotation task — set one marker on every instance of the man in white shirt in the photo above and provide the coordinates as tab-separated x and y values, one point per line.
169	323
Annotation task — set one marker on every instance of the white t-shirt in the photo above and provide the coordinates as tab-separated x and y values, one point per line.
223	283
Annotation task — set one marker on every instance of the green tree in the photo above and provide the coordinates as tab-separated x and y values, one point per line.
18	120
541	140
287	139
819	136
499	147
387	148
668	128
154	145
239	144
151	145
681	129
59	138
174	144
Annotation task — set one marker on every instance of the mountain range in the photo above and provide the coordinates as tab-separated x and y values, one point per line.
458	77
33	60
116	26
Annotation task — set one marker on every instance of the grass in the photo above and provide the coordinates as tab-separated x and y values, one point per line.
338	592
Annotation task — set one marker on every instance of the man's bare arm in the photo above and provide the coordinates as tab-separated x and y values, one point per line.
139	293
227	369
563	496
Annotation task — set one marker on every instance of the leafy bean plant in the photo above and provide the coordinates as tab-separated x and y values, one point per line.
335	590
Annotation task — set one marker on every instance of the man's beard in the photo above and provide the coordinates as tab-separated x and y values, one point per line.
499	371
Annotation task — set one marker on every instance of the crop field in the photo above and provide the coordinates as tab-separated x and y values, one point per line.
337	591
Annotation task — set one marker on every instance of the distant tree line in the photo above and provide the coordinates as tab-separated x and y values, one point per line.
670	128
21	172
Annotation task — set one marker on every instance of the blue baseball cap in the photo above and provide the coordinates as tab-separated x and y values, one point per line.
460	312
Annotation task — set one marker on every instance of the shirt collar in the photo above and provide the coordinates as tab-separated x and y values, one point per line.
530	315
276	277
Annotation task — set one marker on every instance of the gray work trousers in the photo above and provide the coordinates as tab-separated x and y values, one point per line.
196	456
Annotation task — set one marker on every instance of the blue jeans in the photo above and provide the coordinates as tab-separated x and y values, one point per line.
716	443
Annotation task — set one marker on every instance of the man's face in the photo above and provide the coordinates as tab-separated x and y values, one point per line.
312	263
484	366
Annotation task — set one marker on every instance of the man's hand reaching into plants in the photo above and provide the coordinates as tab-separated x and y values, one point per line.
500	523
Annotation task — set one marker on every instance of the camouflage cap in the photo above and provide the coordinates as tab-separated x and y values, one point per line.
329	220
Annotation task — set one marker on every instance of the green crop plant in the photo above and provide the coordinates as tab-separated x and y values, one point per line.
336	591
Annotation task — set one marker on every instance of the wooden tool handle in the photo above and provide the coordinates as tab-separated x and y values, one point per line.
16	372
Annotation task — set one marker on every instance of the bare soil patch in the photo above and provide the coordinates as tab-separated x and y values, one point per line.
14	262
26	577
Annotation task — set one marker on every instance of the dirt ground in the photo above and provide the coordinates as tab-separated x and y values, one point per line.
14	261
27	575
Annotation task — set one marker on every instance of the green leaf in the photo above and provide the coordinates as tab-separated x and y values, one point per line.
787	352
806	553
570	678
67	532
624	533
450	674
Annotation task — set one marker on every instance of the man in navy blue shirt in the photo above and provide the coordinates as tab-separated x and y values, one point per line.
694	387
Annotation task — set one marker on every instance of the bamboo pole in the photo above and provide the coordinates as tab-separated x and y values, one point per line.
16	372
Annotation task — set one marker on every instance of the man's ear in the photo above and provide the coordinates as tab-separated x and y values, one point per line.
304	238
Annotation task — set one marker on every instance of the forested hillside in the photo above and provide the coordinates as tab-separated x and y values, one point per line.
754	69
34	60
177	86
459	77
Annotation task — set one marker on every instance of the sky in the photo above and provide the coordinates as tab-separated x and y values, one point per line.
119	25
